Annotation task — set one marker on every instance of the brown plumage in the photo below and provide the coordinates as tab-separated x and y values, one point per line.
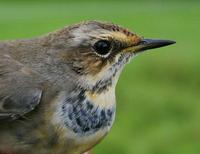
57	92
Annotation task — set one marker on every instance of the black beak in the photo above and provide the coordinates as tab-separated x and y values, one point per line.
147	44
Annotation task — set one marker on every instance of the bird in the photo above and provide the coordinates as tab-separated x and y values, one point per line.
57	91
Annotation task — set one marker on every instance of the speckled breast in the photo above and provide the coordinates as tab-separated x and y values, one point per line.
83	117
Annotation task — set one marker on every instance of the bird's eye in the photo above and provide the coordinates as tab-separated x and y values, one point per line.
102	47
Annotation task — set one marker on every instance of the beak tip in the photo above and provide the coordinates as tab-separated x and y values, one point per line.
169	42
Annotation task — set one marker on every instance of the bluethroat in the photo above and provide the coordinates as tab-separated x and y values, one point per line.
57	92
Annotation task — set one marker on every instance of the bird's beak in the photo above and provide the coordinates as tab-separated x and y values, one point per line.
146	44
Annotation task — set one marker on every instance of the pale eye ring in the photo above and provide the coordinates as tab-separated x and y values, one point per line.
102	47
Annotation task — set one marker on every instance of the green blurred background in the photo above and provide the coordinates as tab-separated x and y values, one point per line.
158	99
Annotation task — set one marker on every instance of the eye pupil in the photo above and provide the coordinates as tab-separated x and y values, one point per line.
102	47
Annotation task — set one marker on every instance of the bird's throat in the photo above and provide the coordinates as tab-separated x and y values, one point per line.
84	113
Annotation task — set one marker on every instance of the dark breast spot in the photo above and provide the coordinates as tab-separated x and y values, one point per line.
83	117
89	105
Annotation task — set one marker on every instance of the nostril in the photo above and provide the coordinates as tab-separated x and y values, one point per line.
142	42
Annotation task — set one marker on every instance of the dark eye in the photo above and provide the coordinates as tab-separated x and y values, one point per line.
102	47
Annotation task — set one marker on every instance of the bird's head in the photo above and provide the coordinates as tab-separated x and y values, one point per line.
97	52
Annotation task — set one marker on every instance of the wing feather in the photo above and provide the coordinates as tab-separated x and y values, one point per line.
20	89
